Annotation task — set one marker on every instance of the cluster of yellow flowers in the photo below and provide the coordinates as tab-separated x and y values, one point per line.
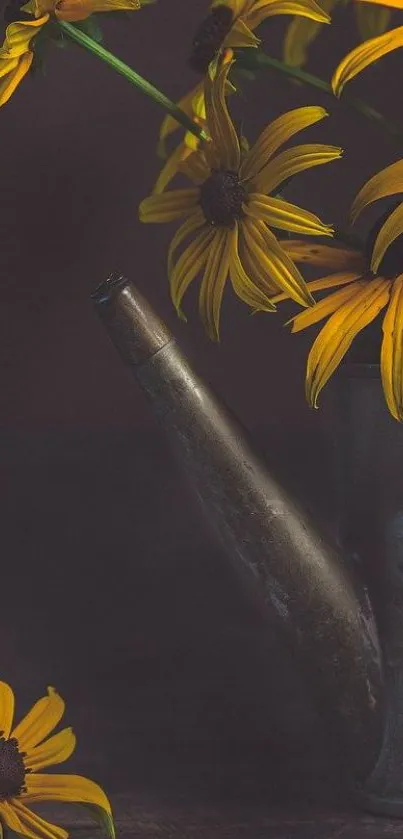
233	202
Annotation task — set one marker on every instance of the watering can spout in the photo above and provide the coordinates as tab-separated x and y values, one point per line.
281	556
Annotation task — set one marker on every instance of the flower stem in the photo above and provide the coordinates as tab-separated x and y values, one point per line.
261	59
138	81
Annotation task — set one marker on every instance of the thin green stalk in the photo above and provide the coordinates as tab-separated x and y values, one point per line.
252	59
138	81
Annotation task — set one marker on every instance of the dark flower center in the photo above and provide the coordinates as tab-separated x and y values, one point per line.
221	198
209	38
392	262
12	769
12	11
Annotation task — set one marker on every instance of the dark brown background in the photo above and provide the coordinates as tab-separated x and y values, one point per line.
111	587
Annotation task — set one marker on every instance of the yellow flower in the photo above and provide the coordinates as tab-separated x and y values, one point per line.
366	286
231	25
24	753
301	32
229	214
16	54
370	51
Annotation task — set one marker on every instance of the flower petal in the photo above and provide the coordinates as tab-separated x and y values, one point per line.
195	167
263	9
19	36
6	709
389	232
392	351
194	222
281	214
300	34
40	721
331	281
290	162
56	749
240	36
273	260
213	283
35	826
394	4
223	151
168	206
171	167
11	81
387	182
170	124
277	133
74	10
191	261
324	256
365	54
324	307
244	287
372	19
339	332
72	788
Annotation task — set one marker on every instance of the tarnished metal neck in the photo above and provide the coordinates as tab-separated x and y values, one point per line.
135	329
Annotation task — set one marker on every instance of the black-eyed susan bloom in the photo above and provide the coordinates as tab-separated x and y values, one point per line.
230	24
229	213
371	20
367	284
25	22
25	750
370	51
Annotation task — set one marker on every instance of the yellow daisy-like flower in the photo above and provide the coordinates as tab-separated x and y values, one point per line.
370	51
231	25
371	21
24	753
16	54
366	286
229	213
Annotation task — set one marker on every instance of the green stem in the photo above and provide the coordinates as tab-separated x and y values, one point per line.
261	59
138	81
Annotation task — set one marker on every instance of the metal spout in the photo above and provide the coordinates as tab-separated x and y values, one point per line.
269	540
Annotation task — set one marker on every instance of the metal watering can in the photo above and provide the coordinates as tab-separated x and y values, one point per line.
352	659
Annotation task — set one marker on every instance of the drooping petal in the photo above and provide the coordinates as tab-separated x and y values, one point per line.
213	283
339	332
365	54
300	34
253	265
324	256
223	151
240	36
285	216
170	124
74	10
189	264
388	181
171	167
390	230
195	167
331	281
18	68
394	4
278	132
56	749
279	267
72	788
40	721
323	307
168	206
244	286
35	826
263	9
6	709
372	20
194	222
392	351
292	161
19	36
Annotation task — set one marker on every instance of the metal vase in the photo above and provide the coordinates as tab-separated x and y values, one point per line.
368	470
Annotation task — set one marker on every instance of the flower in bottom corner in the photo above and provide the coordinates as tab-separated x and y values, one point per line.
229	214
368	281
25	750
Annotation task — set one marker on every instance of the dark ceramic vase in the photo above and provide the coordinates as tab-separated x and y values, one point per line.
368	461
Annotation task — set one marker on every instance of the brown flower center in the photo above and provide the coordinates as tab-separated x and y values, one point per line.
221	198
209	38
12	11
392	262
12	769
